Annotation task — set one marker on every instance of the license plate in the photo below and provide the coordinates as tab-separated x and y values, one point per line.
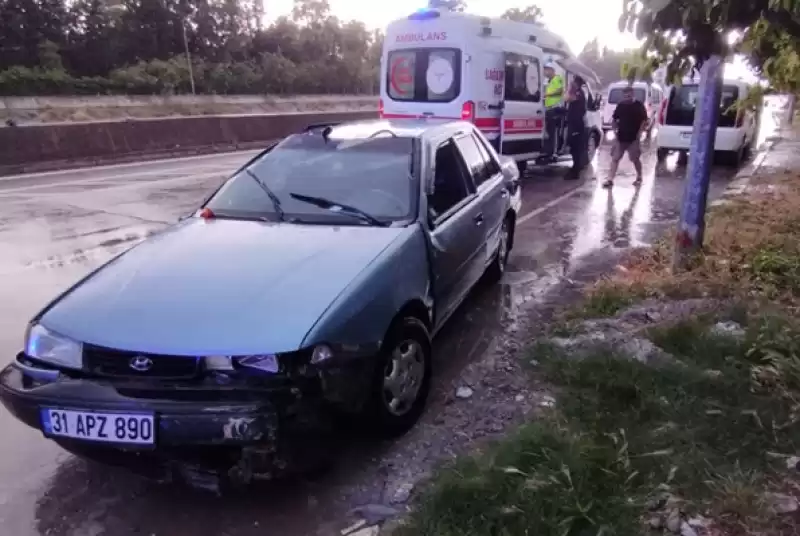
686	134
128	428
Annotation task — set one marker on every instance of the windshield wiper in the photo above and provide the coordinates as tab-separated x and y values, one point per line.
272	197
339	207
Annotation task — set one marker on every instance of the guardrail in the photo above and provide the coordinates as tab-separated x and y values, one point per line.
48	147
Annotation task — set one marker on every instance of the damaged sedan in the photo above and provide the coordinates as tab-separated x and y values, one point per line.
308	286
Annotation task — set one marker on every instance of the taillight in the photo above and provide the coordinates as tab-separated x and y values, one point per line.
662	113
468	111
380	108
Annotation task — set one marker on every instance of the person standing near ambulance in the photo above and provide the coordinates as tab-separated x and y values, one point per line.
554	111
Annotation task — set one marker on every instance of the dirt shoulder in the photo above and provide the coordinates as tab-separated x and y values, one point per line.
676	396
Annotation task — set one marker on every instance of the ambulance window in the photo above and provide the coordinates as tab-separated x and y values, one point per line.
424	74
523	82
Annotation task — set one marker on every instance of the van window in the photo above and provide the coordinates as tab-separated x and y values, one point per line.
424	74
523	82
683	100
615	95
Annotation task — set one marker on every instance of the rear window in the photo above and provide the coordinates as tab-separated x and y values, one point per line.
424	74
683	101
615	95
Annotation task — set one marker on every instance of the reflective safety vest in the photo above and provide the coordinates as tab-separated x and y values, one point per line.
554	85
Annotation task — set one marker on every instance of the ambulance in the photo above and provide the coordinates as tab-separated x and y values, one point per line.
444	65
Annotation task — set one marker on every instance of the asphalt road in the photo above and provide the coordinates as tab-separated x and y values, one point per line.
56	227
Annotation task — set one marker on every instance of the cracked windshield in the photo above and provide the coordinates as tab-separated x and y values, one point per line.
439	268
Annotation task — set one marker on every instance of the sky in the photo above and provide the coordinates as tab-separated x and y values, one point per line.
578	21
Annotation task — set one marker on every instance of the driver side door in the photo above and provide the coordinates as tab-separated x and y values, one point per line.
456	224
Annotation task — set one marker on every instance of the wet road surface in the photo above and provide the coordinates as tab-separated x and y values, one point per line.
56	227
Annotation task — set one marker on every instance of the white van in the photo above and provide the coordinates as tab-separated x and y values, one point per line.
651	95
737	128
444	65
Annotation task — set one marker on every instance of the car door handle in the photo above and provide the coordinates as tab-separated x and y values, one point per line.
479	219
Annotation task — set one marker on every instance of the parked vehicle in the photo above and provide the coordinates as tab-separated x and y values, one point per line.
737	125
309	284
446	65
651	95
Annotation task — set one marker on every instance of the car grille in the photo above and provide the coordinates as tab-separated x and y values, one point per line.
108	362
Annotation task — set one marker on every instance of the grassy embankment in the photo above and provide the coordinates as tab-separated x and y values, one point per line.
629	448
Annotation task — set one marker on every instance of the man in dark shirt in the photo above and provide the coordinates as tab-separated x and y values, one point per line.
629	121
576	127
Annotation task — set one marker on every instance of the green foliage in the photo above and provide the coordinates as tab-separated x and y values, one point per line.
683	33
532	13
629	438
137	46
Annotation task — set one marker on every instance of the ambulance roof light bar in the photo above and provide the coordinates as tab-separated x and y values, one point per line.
425	13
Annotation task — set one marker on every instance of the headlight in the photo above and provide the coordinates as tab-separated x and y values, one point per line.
320	354
44	345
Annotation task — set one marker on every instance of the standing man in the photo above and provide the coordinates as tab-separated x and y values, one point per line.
629	122
576	127
554	112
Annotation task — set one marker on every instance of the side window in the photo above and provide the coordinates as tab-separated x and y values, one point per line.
476	164
523	82
492	165
450	183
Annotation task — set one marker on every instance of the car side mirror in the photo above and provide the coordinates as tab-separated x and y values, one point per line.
509	168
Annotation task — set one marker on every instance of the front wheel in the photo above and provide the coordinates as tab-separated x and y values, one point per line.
401	380
661	154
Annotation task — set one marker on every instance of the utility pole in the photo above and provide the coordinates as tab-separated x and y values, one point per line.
692	225
188	56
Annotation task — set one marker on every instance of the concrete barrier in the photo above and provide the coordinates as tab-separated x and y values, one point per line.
46	147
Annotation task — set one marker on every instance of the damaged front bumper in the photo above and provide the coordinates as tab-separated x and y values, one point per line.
238	429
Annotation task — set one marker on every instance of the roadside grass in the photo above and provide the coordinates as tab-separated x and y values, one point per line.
629	445
629	442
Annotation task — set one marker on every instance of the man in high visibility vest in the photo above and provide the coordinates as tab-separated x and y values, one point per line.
554	111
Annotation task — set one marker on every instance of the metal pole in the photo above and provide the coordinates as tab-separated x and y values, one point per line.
188	56
692	225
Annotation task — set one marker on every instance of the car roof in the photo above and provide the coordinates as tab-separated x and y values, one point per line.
403	128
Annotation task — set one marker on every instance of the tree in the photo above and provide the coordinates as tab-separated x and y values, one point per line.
687	34
532	13
451	5
684	33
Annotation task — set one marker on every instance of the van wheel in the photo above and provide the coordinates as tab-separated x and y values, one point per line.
522	165
733	158
661	154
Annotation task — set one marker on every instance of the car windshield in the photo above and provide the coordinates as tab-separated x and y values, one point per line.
316	178
615	95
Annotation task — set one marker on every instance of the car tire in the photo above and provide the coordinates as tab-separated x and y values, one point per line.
661	154
495	270
405	357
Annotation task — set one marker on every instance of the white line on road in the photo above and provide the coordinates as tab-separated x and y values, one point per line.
550	204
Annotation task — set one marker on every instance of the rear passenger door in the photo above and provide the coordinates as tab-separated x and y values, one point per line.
491	191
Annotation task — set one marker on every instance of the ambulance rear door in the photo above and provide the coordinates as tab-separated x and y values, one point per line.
422	69
522	124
